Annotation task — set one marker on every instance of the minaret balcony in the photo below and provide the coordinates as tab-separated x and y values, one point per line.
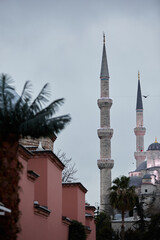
105	133
140	155
104	102
105	163
140	131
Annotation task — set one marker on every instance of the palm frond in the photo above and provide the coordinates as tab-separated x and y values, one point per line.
121	182
20	117
26	92
25	96
34	127
52	108
41	99
6	92
116	181
40	127
58	123
122	197
6	82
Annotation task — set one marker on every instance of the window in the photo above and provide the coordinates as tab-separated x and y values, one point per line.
145	190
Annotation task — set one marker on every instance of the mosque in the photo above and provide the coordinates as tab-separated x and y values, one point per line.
146	177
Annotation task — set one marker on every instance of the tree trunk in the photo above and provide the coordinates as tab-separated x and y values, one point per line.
122	227
10	169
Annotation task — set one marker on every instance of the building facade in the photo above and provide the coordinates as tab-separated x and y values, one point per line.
47	206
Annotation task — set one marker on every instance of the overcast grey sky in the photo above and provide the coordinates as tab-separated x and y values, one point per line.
60	42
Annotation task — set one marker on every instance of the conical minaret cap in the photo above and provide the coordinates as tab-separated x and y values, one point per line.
104	64
139	105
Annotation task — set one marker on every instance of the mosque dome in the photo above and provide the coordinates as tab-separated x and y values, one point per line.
142	166
154	146
135	181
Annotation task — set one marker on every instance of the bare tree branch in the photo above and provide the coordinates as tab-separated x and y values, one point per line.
68	174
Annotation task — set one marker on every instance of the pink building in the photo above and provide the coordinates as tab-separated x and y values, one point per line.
90	223
47	206
73	195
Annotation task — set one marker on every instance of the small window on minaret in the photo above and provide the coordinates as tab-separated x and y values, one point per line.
145	190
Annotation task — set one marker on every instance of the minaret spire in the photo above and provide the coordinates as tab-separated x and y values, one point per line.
105	163
104	64
138	75
139	95
104	38
139	155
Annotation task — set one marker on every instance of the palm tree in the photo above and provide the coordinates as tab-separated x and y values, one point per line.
20	117
104	229
122	197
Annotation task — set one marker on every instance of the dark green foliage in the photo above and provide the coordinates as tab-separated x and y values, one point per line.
21	117
77	231
103	227
141	224
153	232
135	235
122	197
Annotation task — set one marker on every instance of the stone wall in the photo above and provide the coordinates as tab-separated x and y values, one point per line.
47	143
116	225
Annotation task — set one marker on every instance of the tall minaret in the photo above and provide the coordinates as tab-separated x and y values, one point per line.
105	133
139	155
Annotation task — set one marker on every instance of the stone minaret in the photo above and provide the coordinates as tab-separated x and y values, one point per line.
139	155
105	133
